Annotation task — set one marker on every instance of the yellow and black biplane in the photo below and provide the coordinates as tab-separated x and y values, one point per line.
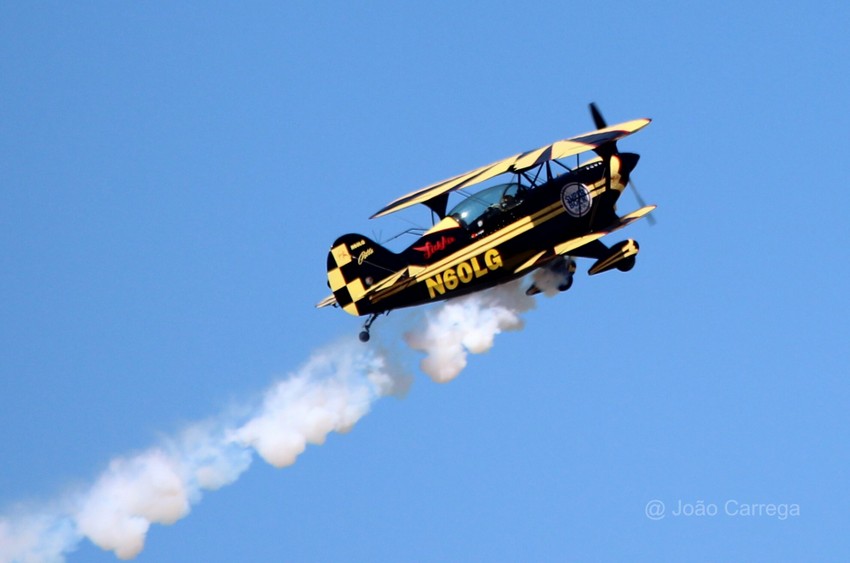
547	214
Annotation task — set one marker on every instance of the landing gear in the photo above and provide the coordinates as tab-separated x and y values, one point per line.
626	264
568	283
565	268
364	334
620	256
560	271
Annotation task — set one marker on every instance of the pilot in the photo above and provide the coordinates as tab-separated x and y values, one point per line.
508	201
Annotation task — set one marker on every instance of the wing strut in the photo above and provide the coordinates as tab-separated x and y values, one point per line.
439	204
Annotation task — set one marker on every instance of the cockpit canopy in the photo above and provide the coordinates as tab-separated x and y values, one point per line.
492	201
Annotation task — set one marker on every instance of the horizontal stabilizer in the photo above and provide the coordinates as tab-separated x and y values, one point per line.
328	301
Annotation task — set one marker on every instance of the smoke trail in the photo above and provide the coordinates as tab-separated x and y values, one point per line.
331	392
467	325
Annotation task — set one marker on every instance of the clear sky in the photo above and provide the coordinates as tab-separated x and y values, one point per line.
173	176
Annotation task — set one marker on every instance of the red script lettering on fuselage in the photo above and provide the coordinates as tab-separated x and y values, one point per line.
431	248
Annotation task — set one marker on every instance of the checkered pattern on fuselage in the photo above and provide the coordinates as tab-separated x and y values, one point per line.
346	285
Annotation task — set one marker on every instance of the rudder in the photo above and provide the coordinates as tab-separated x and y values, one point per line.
356	263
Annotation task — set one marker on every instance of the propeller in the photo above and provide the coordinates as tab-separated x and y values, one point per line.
600	123
650	219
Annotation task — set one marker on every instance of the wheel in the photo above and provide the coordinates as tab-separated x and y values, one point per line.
364	336
566	285
627	264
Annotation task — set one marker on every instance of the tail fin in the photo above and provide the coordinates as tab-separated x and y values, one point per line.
356	263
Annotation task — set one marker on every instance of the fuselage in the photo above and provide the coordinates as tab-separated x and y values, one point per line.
486	242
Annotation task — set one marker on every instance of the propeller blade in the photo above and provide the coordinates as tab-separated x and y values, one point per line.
641	202
598	120
608	149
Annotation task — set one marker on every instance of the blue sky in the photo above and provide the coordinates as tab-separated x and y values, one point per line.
172	178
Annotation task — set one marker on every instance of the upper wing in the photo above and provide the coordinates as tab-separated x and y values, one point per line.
517	163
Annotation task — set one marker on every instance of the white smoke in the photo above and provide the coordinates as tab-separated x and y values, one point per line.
305	409
467	325
36	537
549	281
117	511
331	392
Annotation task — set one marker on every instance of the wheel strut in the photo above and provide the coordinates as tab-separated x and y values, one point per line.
364	334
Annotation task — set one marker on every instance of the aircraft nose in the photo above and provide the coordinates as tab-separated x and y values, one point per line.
628	162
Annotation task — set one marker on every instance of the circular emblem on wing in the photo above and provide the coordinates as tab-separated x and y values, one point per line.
576	199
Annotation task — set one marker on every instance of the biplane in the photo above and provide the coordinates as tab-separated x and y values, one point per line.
544	216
